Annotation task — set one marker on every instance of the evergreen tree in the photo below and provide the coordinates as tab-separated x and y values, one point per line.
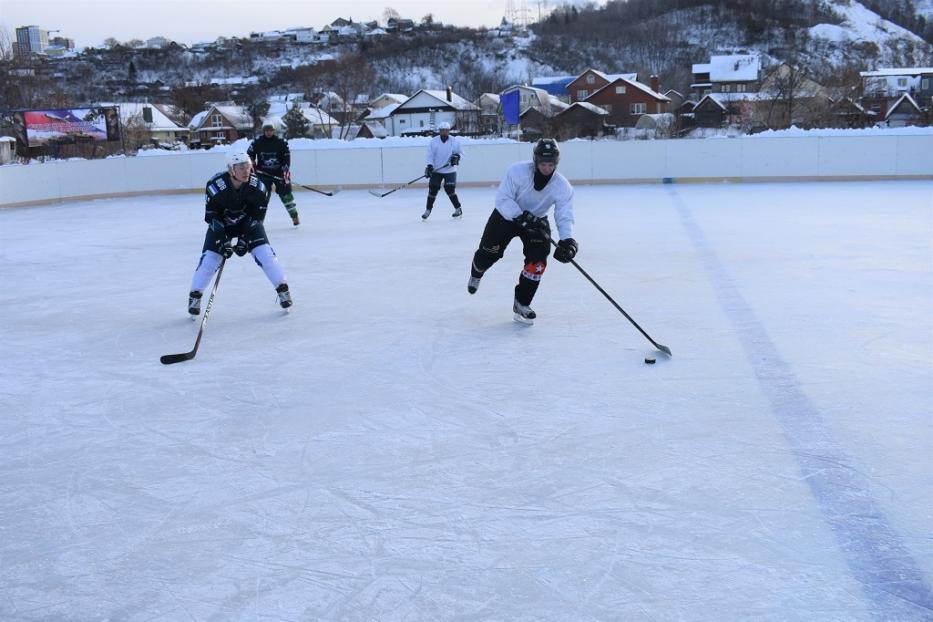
296	125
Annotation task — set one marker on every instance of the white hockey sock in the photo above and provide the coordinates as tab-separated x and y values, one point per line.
265	257
210	261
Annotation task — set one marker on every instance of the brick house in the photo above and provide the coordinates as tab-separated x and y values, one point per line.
221	124
591	81
626	100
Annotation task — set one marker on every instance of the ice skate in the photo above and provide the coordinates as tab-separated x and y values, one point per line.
473	284
457	213
194	303
285	298
426	213
523	313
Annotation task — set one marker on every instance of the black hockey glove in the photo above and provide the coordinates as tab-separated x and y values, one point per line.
241	247
226	250
532	223
455	159
428	170
566	250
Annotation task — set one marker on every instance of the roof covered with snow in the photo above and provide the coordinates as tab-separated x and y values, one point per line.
731	68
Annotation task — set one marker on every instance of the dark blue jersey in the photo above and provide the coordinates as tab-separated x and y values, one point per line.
232	205
270	154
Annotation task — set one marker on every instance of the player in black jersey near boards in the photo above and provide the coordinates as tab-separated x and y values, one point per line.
272	158
235	206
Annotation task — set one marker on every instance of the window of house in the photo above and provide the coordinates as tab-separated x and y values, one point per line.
740	88
902	81
638	108
582	93
925	84
591	79
620	90
726	88
217	120
421	123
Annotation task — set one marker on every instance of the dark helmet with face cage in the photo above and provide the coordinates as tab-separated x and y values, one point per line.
546	150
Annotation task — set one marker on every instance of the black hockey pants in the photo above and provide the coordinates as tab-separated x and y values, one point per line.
497	235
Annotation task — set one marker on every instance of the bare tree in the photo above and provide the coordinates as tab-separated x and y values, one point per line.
390	13
349	77
6	44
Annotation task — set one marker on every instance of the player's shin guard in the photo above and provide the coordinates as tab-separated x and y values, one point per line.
452	195
207	266
528	282
288	200
266	259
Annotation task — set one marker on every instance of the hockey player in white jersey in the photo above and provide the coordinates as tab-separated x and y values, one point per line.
526	194
443	155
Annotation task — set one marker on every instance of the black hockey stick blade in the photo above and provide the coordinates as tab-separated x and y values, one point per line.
169	359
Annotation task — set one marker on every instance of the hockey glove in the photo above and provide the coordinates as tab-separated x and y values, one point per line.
226	250
566	250
455	159
428	170
531	223
241	247
286	175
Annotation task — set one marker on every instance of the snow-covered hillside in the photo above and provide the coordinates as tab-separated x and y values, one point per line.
862	27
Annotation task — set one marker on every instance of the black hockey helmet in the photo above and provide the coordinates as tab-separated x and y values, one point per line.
546	150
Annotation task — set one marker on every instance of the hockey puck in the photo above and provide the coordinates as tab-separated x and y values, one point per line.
649	360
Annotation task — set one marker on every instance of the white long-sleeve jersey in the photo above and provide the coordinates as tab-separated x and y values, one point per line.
439	153
517	194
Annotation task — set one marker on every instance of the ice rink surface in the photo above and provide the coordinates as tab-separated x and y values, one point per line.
395	449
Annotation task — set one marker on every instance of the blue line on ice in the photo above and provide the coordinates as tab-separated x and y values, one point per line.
870	546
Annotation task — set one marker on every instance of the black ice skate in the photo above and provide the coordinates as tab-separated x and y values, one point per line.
194	303
426	213
295	220
285	298
473	284
457	213
523	313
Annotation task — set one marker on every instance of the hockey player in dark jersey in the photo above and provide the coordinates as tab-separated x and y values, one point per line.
525	196
271	158
235	205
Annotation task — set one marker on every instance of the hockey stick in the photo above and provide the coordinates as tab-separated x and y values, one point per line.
168	359
661	347
324	192
385	194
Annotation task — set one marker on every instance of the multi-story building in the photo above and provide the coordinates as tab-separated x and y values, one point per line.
31	40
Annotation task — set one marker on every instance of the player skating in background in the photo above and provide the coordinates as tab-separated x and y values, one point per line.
272	159
525	196
235	206
443	155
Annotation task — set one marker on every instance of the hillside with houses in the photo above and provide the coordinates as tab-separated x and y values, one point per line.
629	70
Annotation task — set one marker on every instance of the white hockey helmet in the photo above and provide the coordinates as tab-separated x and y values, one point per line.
237	157
443	125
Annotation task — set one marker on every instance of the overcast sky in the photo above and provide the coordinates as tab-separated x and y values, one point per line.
89	22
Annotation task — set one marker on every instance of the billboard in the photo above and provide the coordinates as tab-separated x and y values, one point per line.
63	126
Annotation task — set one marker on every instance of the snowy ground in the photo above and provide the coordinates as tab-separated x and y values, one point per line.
395	449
